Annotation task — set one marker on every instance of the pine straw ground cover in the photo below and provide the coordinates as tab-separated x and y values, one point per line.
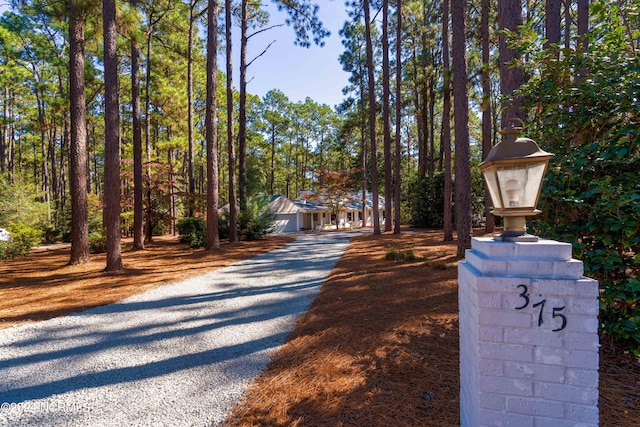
42	285
379	347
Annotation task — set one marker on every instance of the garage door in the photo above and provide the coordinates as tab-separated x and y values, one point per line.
286	223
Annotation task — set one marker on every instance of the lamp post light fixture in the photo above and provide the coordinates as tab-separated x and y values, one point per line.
513	171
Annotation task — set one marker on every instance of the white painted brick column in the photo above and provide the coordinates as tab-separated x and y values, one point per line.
528	336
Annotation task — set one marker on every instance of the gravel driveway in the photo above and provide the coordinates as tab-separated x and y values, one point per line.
178	355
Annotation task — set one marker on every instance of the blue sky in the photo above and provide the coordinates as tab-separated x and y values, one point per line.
298	72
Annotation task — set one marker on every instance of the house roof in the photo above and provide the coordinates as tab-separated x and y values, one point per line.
355	201
352	202
309	206
280	204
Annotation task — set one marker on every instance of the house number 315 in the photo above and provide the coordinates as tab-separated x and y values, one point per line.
556	312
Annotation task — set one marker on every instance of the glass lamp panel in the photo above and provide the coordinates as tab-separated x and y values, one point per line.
520	184
492	184
512	180
535	174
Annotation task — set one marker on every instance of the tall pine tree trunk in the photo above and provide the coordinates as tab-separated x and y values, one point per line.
191	148
213	238
398	148
372	120
583	39
242	112
486	105
147	131
78	148
386	118
567	24
111	138
363	148
552	23
446	126
461	114
4	141
233	214
581	49
511	78
138	191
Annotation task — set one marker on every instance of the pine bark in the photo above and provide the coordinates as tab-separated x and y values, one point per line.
386	118
398	148
213	238
372	120
446	126
112	138
552	24
4	141
147	133
138	190
191	143
233	214
242	113
511	78
486	104
461	114
78	149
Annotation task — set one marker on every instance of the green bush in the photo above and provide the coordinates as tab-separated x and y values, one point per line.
426	201
23	238
591	199
401	254
193	230
591	195
97	242
223	227
258	220
50	234
13	249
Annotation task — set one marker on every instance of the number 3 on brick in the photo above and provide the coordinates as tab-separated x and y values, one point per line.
556	312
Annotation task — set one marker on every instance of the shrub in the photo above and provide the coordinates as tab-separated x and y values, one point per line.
258	220
401	255
10	250
50	234
591	195
223	227
426	201
97	242
193	230
23	238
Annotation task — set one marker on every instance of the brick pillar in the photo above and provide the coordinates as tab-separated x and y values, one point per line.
528	336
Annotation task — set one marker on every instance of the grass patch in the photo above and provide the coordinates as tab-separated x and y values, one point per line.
437	265
401	254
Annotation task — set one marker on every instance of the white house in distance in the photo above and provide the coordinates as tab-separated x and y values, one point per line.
351	214
296	215
304	214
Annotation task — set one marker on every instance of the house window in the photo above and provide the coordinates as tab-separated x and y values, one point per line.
323	214
359	215
349	216
315	217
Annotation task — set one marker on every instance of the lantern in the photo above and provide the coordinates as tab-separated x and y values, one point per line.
513	171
